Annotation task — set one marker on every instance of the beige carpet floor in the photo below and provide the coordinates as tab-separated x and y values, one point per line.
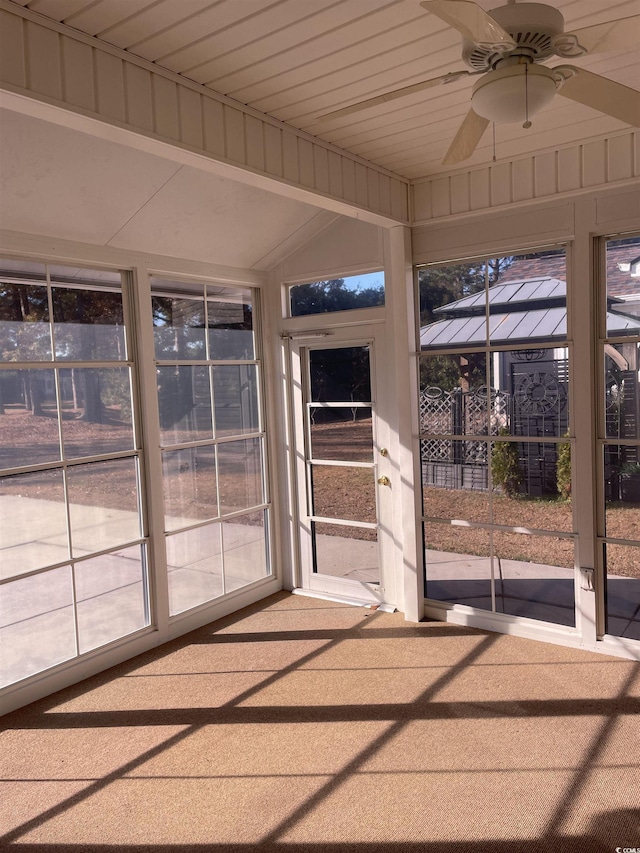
306	725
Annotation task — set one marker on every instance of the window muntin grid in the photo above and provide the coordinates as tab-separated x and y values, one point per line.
493	363
70	481
212	439
619	435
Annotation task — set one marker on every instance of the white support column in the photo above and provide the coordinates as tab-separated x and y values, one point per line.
153	486
405	457
584	389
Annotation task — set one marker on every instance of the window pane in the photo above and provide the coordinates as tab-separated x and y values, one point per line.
235	394
190	490
453	394
539	391
194	565
534	577
24	322
341	434
178	327
33	522
344	492
245	552
622	390
96	411
103	505
623	287
458	565
184	400
623	590
346	552
440	288
339	294
110	594
29	432
340	374
231	329
622	490
240	475
528	469
88	325
455	479
36	624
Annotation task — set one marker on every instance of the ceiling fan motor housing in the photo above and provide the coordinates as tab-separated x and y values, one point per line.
531	25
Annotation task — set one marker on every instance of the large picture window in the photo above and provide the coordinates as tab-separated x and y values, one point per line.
73	552
494	368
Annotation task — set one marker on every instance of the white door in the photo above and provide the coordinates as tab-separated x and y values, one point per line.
343	468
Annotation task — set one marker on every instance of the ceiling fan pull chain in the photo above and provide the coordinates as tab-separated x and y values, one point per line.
494	142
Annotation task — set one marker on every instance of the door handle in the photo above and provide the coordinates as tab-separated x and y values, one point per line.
384	481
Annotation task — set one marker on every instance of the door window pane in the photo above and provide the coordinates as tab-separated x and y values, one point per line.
111	596
341	434
103	505
190	489
340	374
33	522
36	624
235	394
29	429
458	565
194	565
346	552
344	492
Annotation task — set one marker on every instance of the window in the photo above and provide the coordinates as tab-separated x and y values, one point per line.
619	444
494	367
73	547
212	437
338	294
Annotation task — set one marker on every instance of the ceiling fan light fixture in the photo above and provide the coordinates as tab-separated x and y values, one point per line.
514	93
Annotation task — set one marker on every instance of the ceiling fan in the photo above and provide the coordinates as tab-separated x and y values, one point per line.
506	47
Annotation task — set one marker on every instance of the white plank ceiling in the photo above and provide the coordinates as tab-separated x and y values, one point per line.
297	59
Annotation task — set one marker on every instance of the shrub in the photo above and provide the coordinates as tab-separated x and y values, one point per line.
505	467
563	469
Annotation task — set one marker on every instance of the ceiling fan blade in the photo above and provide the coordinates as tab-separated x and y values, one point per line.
623	34
451	77
466	139
473	22
602	94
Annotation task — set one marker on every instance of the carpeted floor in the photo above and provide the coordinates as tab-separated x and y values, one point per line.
306	725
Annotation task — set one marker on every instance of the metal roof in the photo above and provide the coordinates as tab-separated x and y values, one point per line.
548	322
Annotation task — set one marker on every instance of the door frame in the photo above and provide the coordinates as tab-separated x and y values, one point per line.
358	334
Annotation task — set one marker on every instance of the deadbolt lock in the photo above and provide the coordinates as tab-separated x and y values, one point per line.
384	481
384	451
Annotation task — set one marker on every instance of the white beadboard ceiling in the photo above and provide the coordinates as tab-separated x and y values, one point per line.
297	59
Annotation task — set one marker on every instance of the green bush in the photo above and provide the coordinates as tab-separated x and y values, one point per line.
563	469
505	467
